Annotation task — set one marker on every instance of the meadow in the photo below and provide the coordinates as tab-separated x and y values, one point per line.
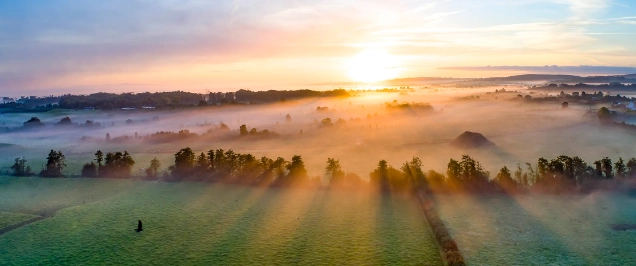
203	224
541	229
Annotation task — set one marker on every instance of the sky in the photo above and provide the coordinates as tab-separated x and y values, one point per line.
75	46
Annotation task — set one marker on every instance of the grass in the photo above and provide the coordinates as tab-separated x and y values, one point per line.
213	224
541	229
36	195
10	218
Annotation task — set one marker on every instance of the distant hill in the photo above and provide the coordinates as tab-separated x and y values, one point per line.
631	78
471	140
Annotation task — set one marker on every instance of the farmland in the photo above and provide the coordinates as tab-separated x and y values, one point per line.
193	223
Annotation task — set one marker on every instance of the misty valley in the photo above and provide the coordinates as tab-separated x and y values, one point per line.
454	174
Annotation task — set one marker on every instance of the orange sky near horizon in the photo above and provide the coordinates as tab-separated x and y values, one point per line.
63	46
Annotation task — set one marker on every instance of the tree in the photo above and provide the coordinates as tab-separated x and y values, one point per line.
604	114
296	168
54	164
20	168
620	168
598	169
414	175
453	170
65	121
99	157
521	178
202	164
631	167
504	179
89	170
334	172
565	105
380	176
326	122
606	167
203	103
153	169
184	162
243	130
117	165
33	122
288	118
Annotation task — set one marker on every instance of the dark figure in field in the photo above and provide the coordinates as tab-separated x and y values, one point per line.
139	228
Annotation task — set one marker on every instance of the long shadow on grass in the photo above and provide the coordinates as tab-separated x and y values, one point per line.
310	221
222	245
245	227
387	240
510	223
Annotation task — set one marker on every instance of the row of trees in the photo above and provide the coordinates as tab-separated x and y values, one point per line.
113	165
231	167
55	163
276	95
561	174
107	101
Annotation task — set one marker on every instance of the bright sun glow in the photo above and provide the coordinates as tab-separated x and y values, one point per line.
372	66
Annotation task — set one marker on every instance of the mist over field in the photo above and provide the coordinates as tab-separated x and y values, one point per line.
357	132
521	132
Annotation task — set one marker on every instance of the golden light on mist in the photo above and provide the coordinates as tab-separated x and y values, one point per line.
372	66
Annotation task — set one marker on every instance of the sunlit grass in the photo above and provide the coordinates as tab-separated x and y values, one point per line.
205	224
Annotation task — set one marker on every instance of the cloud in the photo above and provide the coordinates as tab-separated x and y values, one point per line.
553	69
66	42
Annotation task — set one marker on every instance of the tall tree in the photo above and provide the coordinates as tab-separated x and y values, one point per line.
334	172
184	162
153	170
54	164
619	168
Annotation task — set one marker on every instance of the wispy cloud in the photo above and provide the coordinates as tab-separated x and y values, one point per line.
71	43
553	69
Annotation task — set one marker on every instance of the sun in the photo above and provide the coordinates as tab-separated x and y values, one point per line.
372	66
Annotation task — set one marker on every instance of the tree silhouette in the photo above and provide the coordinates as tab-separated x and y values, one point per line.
334	172
184	162
604	114
504	180
297	171
619	168
54	164
89	170
243	130
631	167
153	169
20	168
65	121
117	165
33	122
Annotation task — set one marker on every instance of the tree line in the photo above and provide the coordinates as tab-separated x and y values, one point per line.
560	174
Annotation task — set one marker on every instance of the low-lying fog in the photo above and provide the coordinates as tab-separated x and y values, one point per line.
522	131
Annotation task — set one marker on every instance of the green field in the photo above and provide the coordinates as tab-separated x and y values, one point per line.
541	229
10	218
209	224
